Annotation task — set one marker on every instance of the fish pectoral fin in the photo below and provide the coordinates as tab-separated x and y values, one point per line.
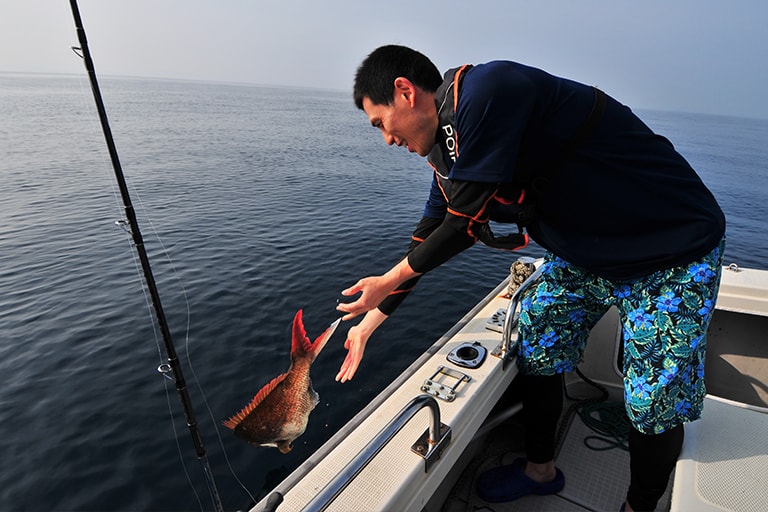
284	446
235	420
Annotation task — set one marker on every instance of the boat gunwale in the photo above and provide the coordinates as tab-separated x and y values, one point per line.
334	441
732	284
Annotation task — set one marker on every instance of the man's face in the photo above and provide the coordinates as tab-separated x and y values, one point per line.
409	121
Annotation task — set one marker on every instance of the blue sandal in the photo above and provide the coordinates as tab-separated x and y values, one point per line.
507	483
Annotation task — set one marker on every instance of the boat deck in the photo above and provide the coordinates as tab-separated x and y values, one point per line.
725	453
722	467
595	480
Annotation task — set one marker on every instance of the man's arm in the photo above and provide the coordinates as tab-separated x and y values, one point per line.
375	289
467	211
357	338
444	239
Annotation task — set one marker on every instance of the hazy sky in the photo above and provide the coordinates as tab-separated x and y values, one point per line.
686	55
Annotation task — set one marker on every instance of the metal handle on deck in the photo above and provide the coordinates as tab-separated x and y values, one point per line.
340	482
512	317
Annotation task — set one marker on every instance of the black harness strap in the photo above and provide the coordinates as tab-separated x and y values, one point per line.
446	151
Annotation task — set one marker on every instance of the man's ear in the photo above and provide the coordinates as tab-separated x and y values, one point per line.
405	89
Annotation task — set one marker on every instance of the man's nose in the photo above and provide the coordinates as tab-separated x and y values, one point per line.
388	138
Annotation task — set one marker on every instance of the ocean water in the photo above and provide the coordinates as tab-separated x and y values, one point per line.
254	202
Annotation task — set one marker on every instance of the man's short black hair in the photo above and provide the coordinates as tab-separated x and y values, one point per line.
376	75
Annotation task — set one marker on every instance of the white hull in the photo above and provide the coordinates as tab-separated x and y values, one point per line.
396	478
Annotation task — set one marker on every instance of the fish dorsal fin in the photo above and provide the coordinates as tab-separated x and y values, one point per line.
263	392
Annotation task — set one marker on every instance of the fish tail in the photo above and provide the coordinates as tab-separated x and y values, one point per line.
301	346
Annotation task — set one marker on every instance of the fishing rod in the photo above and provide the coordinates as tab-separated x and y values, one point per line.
173	361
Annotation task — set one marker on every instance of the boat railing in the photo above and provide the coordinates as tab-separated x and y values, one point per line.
429	446
512	316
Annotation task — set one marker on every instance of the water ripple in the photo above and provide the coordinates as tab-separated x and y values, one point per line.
254	203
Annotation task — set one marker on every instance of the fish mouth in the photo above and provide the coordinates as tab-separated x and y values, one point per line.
333	326
323	338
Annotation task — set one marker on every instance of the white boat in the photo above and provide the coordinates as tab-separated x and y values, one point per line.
385	458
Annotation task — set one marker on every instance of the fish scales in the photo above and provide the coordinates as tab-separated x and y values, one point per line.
279	412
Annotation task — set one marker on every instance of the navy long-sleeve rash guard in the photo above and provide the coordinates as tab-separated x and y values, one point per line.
623	205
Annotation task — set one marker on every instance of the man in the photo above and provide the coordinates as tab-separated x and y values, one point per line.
625	220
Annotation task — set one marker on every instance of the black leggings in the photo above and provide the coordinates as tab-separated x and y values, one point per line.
542	405
652	457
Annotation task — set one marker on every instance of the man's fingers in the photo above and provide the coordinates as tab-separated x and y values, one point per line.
345	309
347	371
355	288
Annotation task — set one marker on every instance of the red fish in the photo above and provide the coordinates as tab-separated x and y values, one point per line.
279	412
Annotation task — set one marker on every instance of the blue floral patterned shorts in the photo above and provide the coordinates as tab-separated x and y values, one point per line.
664	319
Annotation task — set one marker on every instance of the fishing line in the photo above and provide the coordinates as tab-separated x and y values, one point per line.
178	444
90	119
125	227
166	372
170	350
195	378
165	368
218	433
